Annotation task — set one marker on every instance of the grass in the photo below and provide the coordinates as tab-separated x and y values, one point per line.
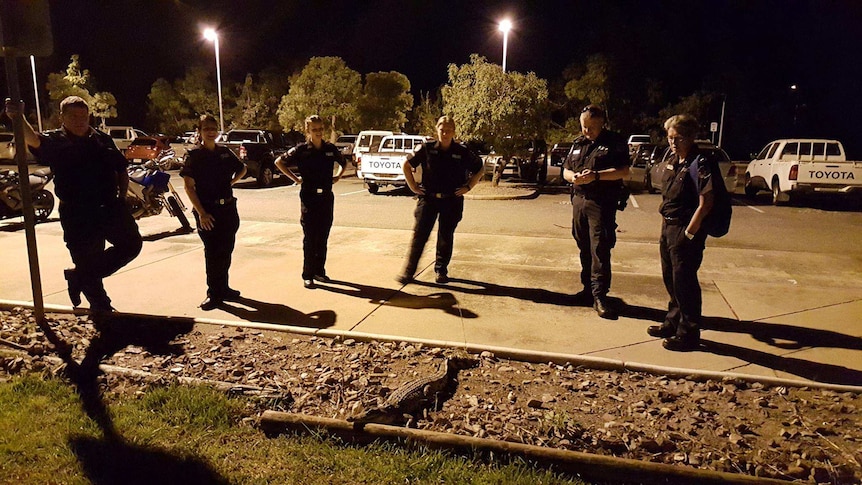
188	435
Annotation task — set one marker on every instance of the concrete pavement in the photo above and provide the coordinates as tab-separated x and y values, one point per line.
766	314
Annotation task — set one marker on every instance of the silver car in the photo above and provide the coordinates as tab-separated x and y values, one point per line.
658	162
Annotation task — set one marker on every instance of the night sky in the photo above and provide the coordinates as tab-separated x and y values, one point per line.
751	50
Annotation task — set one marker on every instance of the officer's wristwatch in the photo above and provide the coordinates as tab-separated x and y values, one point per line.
597	175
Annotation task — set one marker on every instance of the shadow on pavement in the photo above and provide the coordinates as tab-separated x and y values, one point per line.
397	298
162	235
19	226
778	335
111	458
259	311
537	295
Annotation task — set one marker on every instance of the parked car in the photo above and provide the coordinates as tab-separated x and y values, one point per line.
7	148
385	166
345	144
123	135
258	149
659	157
638	173
636	140
557	158
145	148
366	141
798	166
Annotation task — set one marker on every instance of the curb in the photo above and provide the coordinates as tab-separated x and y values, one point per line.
536	357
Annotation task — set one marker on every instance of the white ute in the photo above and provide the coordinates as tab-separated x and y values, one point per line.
799	166
385	166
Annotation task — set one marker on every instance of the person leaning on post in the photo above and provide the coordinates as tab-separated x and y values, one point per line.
596	166
209	173
91	180
316	160
449	170
685	204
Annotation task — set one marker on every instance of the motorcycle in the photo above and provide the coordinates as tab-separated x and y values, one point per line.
11	203
151	191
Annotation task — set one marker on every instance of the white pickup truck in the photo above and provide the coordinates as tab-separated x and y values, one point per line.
385	166
800	166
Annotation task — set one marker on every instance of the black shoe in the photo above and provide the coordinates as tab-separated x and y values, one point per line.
74	286
404	279
681	344
103	308
583	298
442	278
308	283
210	303
231	294
322	278
602	309
661	331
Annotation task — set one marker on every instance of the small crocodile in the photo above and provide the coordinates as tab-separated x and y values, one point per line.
413	396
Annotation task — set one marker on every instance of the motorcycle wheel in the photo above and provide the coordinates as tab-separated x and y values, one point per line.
175	209
43	204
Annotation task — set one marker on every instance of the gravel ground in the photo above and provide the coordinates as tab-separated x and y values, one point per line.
804	434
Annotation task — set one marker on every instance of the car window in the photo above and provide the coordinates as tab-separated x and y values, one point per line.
241	136
143	142
120	133
832	150
772	150
805	149
717	154
818	149
790	150
6	137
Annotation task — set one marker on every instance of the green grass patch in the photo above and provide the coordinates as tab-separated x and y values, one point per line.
179	434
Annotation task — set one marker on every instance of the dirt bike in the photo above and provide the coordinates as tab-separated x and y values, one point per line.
11	204
151	191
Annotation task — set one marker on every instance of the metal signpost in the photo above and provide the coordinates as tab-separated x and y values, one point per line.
25	29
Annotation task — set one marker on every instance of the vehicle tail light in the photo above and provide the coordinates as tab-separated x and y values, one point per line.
794	172
358	162
243	153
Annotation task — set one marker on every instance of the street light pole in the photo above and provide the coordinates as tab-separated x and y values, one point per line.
505	27
36	91
212	35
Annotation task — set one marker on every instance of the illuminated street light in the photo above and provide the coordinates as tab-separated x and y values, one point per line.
212	35
505	27
36	91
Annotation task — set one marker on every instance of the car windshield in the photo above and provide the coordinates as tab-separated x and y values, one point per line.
144	142
346	139
6	137
717	154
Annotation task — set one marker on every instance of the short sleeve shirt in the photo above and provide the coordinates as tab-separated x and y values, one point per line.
680	194
315	165
608	150
445	171
85	168
212	171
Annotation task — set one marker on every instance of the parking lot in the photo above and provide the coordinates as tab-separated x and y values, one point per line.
782	291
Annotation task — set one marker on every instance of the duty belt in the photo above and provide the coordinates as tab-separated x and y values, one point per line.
222	201
439	196
675	221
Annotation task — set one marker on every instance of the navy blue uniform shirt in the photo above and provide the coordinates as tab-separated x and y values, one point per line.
315	165
85	167
445	171
212	171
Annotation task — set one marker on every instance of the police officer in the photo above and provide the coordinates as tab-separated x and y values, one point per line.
685	204
596	165
449	170
316	160
91	181
209	173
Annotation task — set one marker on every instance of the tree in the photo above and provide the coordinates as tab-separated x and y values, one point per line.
257	102
589	85
167	110
385	101
326	87
76	81
198	90
426	114
505	109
